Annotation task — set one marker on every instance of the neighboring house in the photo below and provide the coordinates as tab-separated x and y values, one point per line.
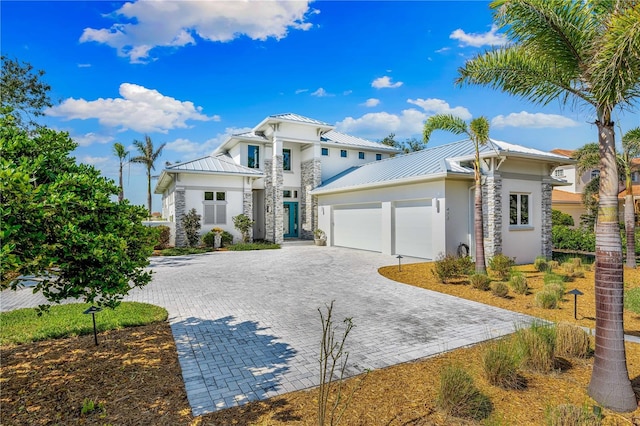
293	174
568	198
267	174
421	204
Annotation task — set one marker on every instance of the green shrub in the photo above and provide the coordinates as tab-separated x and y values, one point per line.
541	264
458	396
560	218
552	277
518	283
571	341
209	239
535	346
577	239
499	289
577	261
480	281
553	264
571	415
450	266
164	235
501	265
191	225
184	251
578	273
556	287
244	224
253	246
568	268
547	299
500	363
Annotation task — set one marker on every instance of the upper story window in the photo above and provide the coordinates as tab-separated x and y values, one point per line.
635	177
519	209
325	151
253	157
559	173
215	208
595	173
343	153
286	159
361	155
378	157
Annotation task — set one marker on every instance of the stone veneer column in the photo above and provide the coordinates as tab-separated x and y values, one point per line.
268	201
311	178
547	245
247	202
181	206
278	208
492	205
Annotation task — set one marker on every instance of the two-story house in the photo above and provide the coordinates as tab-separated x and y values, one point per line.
267	174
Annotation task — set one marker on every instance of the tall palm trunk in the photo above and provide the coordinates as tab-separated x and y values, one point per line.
610	384
630	227
121	192
478	229
149	189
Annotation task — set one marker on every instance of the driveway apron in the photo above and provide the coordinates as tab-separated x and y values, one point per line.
247	326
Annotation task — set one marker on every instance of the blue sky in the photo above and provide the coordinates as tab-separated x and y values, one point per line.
190	73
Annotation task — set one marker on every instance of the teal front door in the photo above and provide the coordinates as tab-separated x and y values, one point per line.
290	220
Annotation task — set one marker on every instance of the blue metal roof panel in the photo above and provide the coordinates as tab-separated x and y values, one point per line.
302	119
344	139
217	164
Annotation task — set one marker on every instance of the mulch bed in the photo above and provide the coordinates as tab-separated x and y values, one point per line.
134	378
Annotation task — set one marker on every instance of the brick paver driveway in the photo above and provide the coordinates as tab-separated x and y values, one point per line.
247	327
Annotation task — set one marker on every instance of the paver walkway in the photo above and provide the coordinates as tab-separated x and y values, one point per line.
246	324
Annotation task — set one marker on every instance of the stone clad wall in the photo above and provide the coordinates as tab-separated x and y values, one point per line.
181	206
311	178
278	210
492	205
268	200
547	244
247	203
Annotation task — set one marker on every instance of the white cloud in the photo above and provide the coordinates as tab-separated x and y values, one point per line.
535	120
94	161
438	106
84	65
139	109
321	93
195	150
347	92
377	125
371	102
297	92
442	50
151	24
490	38
91	138
385	83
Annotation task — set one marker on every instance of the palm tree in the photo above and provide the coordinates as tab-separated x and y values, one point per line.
148	156
478	132
119	151
588	158
630	150
587	52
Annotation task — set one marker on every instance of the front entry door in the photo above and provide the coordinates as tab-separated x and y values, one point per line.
290	220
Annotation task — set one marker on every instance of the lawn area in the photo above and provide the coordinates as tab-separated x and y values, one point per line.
134	377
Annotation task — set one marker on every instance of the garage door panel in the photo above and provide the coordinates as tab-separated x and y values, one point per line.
358	227
412	229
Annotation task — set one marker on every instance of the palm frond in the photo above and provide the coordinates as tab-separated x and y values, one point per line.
446	122
479	130
587	157
631	143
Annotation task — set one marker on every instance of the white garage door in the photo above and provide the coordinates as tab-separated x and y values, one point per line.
358	226
412	226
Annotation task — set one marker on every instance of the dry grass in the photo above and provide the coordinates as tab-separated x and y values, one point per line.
136	375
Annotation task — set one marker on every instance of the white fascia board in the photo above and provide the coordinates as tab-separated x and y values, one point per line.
162	185
384	149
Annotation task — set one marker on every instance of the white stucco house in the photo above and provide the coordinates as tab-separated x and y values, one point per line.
294	174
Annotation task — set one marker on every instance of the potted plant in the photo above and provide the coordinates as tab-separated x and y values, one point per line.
217	235
319	237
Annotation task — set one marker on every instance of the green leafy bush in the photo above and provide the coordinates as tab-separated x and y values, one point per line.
458	395
501	265
164	235
518	283
500	363
447	267
560	218
243	224
556	287
547	299
571	341
480	282
499	289
191	225
577	239
553	264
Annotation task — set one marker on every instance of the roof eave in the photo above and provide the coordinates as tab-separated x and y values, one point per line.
394	182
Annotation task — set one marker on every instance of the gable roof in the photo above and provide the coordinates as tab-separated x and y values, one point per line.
428	164
289	116
219	165
338	138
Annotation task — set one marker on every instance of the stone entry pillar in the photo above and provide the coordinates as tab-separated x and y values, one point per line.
247	202
546	249
492	205
181	205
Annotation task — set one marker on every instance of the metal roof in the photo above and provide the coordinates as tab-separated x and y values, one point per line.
336	137
218	164
428	163
250	135
299	118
